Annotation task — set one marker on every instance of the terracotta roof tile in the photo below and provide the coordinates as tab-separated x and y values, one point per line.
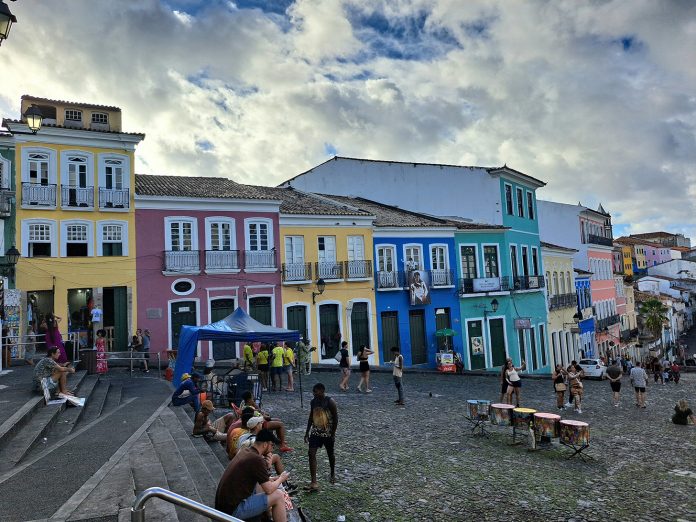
557	247
195	187
70	103
44	125
305	203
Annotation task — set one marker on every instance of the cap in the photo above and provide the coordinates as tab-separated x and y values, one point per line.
267	436
207	405
185	376
254	421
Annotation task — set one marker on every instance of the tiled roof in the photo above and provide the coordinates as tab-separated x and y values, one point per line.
70	103
557	247
582	272
653	234
632	241
195	187
45	125
304	203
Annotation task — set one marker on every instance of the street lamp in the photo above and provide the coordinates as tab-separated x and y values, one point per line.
7	267
34	118
6	21
321	285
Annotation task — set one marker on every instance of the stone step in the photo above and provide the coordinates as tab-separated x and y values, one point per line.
72	416
19	419
212	453
148	472
94	408
177	473
205	479
113	398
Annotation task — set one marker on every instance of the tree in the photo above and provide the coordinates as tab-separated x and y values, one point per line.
654	316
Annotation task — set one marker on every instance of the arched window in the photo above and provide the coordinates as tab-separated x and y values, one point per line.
555	282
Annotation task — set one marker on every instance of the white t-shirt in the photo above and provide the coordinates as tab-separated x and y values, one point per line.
96	315
398	370
512	375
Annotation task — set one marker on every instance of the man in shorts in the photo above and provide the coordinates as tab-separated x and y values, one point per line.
289	367
639	379
236	492
277	359
54	375
321	431
614	374
344	364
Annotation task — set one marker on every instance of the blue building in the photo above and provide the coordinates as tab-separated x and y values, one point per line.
586	339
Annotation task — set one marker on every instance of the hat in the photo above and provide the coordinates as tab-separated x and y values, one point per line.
267	436
207	405
254	421
185	376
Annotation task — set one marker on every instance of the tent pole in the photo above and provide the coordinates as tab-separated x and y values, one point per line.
300	370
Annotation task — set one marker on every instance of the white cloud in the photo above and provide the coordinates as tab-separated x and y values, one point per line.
594	98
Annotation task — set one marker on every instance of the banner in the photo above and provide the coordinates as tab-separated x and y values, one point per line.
419	287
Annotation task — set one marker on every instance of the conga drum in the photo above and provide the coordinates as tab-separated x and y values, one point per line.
501	414
473	408
547	425
575	433
484	409
521	417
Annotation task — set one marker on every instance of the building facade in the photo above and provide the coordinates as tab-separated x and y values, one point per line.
664	238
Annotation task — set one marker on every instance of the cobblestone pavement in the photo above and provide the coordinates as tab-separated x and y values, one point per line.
421	462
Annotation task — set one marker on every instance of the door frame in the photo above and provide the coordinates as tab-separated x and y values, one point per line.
489	351
272	295
467	347
169	318
412	312
349	317
341	327
308	318
210	315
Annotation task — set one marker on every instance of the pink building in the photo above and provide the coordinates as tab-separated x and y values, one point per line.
204	247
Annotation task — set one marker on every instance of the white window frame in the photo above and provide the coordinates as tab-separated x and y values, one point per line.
362	240
64	224
476	260
64	163
177	219
527	194
124	236
75	111
395	259
520	191
483	260
271	232
184	280
308	316
5	173
52	163
349	319
53	224
101	170
104	114
341	327
535	254
444	246
209	221
335	248
419	247
293	238
262	289
197	300
514	267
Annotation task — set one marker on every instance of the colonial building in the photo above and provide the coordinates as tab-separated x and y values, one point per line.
664	238
75	221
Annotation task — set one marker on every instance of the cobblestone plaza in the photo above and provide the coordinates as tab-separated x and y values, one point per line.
421	462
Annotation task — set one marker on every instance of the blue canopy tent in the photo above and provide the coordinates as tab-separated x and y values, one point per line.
238	326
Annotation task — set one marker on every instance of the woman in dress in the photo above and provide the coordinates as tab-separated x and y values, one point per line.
363	354
54	338
559	385
575	376
102	364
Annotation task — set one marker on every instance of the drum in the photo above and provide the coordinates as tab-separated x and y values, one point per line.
575	433
473	409
521	417
547	425
484	408
501	414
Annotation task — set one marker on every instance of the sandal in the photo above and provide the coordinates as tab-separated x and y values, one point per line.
311	488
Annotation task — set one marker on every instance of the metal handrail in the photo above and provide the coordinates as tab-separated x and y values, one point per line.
138	507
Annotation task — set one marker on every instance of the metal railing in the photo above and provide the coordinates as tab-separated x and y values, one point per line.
182	260
387	280
259	259
114	198
441	277
222	260
329	270
481	285
138	507
358	269
39	195
563	301
599	240
77	197
606	322
528	282
294	272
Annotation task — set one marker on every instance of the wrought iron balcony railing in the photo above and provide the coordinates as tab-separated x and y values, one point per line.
330	270
114	198
36	194
295	272
77	197
390	280
599	240
528	282
563	301
358	269
184	261
259	259
222	260
484	284
441	277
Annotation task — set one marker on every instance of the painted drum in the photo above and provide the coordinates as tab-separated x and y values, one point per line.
501	414
547	425
575	433
521	417
473	408
484	408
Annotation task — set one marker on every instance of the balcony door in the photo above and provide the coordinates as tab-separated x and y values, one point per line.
359	327
38	168
219	309
77	182
468	255
327	268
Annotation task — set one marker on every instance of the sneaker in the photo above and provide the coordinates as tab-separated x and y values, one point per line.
579	410
359	389
400	403
368	390
286	449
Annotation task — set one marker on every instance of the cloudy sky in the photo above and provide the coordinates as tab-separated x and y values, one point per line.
598	98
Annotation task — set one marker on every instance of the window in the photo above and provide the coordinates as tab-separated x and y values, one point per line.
356	248
542	344
100	118
40	240
549	283
508	199
557	289
562	289
112	240
327	249
468	254
73	115
77	171
414	258
530	205
38	168
76	241
568	286
221	235
181	233
525	261
113	174
5	173
513	260
535	261
385	259
490	261
438	257
520	202
294	249
258	233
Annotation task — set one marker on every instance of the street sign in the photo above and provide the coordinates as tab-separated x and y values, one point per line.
523	323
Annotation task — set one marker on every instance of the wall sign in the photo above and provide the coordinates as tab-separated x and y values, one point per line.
487	284
523	323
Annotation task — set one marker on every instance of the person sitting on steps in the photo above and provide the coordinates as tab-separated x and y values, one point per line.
211	431
188	391
269	423
53	374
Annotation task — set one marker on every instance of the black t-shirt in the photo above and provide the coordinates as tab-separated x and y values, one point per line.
247	469
681	417
344	358
613	371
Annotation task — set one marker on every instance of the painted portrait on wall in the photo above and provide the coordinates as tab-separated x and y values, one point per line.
419	287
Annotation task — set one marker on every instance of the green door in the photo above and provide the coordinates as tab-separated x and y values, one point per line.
476	344
390	334
182	313
329	330
442	320
496	328
359	327
260	309
533	349
120	318
297	320
416	323
219	309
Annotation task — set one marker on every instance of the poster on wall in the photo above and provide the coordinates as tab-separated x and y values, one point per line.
11	322
419	287
476	345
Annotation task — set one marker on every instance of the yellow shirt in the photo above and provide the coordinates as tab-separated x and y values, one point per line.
248	354
289	356
263	356
277	354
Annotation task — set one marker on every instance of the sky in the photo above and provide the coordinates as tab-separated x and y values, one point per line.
597	98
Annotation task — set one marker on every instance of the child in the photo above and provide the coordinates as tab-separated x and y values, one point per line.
683	414
100	344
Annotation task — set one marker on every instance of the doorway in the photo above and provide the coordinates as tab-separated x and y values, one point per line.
416	323
360	327
476	346
496	328
219	309
442	321
116	317
261	310
181	313
296	319
390	333
329	330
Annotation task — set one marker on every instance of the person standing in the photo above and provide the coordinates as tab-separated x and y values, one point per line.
503	381
277	358
398	373
344	364
248	354
363	355
575	376
559	386
289	359
321	431
100	344
614	373
262	359
54	338
145	336
639	379
513	381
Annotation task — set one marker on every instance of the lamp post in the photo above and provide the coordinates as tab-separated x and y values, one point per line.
6	21
7	266
34	118
321	285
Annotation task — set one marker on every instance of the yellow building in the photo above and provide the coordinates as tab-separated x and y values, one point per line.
328	291
562	302
627	257
75	219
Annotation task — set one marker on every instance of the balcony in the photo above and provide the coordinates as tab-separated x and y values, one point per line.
77	197
182	261
528	282
625	335
604	324
331	270
297	272
6	200
482	285
563	301
614	319
390	280
359	269
260	260
114	198
38	195
600	240
440	278
222	260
